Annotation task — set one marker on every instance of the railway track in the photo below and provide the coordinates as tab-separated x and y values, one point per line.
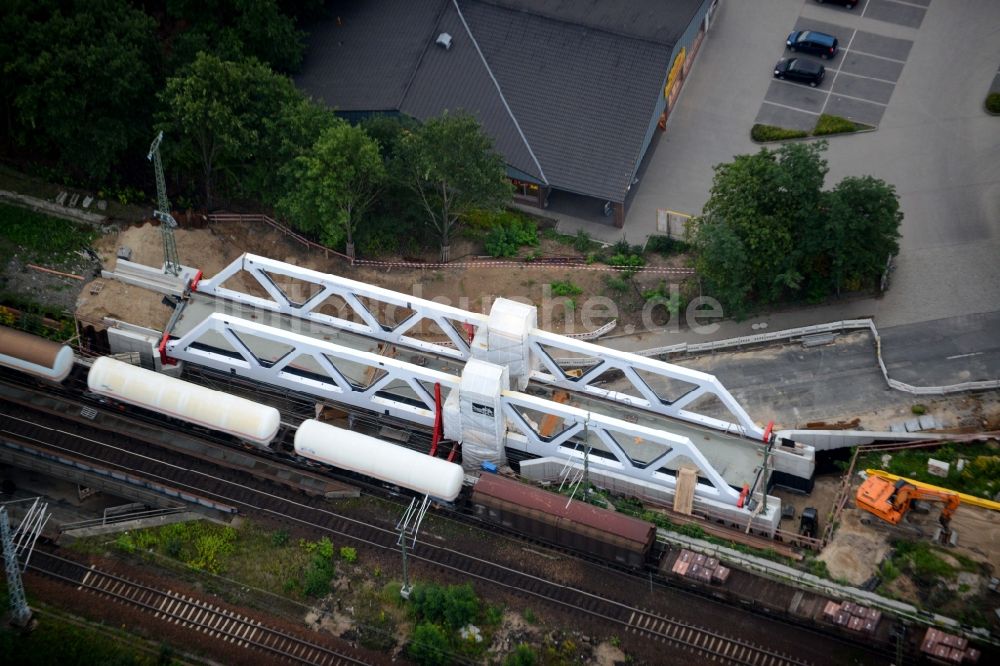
248	493
700	641
193	614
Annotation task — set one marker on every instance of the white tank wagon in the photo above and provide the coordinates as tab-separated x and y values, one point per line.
378	459
245	419
35	356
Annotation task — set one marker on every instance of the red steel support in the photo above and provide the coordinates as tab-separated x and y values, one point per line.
437	418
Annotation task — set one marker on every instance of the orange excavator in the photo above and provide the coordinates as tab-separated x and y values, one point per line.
892	501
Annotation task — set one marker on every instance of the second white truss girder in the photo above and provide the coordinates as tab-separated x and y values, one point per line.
350	291
322	369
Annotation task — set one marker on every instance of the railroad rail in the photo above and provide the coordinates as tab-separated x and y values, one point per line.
252	494
190	613
701	641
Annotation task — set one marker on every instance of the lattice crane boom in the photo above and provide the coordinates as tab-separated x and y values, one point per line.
171	263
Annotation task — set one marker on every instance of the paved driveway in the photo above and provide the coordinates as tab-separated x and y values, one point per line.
858	85
934	143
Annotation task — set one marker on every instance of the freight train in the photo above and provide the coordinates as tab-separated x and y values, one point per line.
506	503
571	524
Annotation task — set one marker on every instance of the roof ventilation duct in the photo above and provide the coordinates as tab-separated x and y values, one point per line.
444	41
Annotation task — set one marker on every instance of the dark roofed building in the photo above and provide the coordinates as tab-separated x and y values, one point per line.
571	91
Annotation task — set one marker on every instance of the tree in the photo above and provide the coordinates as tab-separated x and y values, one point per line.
215	110
429	645
769	201
721	263
78	81
452	167
235	30
336	183
285	135
863	219
769	230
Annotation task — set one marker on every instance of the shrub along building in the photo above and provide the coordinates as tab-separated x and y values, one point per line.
571	91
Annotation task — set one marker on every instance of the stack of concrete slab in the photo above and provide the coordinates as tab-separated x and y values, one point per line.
700	567
948	648
852	616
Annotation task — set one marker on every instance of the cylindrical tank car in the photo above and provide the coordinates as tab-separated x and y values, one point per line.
35	356
241	418
378	459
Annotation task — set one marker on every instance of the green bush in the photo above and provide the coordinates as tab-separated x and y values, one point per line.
319	572
828	124
566	288
582	242
523	655
918	409
620	284
454	606
763	133
429	645
993	102
348	554
665	245
507	238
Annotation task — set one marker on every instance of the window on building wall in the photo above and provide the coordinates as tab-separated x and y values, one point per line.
524	189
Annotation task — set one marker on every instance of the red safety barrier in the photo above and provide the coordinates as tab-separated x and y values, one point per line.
470	331
164	359
437	418
767	431
743	496
195	280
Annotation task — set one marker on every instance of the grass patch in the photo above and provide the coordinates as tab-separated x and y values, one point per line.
829	124
765	133
992	103
566	288
920	560
980	477
263	559
57	641
36	237
826	125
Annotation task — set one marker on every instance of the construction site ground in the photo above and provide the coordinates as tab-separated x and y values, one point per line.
836	384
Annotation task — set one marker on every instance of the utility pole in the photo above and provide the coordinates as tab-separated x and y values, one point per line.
409	526
20	541
171	264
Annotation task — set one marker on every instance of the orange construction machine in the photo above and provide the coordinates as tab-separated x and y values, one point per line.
892	501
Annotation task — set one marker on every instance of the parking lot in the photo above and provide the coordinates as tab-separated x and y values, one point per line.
861	78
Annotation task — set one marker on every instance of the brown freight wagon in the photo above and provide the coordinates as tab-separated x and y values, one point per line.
577	525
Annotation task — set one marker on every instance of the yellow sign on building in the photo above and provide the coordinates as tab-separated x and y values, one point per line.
675	71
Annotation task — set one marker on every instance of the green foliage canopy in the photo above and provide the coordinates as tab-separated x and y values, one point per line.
76	75
452	167
235	30
429	645
769	231
215	110
335	183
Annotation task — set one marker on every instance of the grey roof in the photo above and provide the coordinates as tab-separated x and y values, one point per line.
660	21
363	57
566	88
459	80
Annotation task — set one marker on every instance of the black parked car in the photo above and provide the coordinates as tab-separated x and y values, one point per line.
810	41
844	3
800	69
